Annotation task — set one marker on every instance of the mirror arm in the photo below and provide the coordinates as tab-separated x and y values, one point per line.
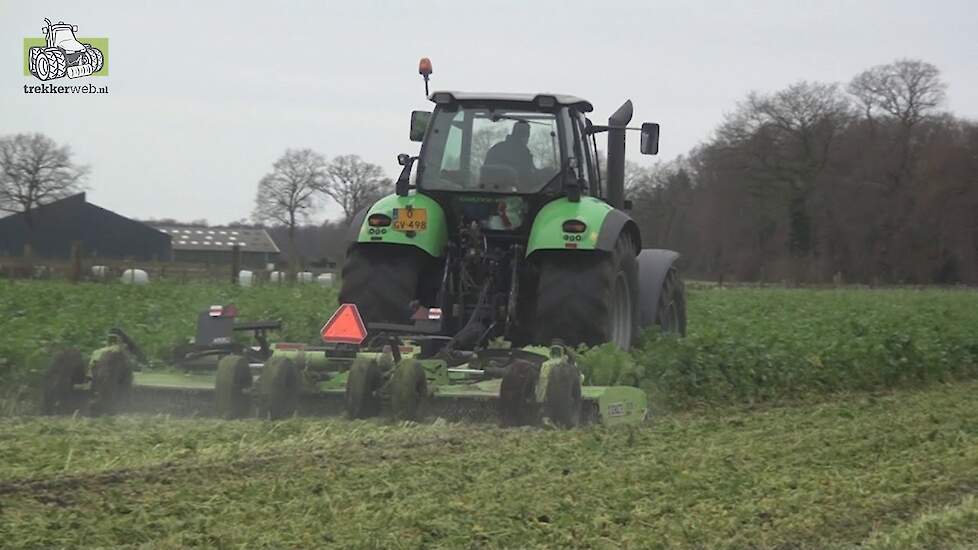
403	184
598	129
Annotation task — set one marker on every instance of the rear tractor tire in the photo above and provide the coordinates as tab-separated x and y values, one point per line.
588	297
64	369
50	64
111	382
408	390
363	384
231	396
382	280
278	388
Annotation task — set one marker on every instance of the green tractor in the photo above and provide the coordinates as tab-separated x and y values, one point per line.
511	232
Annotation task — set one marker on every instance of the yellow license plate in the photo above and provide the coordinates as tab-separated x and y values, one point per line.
410	219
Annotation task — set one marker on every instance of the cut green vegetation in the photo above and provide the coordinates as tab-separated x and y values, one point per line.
890	471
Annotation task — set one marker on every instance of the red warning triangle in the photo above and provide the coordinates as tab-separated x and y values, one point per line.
345	326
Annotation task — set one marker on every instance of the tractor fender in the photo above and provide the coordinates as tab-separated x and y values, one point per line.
353	230
653	266
614	223
604	225
431	235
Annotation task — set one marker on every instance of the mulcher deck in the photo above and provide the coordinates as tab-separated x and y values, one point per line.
192	394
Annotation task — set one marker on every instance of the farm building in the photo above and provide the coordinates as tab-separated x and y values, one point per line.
214	245
102	233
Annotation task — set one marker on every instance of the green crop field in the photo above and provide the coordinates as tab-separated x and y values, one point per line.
884	471
786	419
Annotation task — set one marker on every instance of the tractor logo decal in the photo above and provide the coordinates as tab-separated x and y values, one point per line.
60	53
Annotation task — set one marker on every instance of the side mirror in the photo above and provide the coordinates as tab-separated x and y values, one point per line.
419	124
650	138
74	28
403	159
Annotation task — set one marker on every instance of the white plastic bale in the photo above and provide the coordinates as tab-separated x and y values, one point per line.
100	271
135	277
246	278
276	276
304	277
325	279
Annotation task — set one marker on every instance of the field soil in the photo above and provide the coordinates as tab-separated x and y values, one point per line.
870	470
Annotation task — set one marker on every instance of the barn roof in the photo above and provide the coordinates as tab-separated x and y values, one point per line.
218	238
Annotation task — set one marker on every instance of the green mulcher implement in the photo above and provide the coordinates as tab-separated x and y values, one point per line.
504	248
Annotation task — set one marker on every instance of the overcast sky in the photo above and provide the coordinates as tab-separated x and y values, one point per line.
204	96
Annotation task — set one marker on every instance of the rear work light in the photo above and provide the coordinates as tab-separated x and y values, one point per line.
223	311
574	226
378	220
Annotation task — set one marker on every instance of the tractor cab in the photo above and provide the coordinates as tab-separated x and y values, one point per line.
496	159
62	35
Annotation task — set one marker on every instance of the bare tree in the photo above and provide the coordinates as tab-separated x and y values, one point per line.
287	195
906	89
353	183
34	170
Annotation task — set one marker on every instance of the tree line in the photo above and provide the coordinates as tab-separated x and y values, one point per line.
866	182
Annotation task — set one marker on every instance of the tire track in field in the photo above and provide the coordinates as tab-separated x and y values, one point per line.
340	453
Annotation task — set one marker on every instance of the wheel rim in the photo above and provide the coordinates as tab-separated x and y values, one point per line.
621	313
42	67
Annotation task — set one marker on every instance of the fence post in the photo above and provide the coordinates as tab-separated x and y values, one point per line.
28	263
235	263
76	263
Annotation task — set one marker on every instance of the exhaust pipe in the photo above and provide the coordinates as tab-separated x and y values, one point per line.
616	154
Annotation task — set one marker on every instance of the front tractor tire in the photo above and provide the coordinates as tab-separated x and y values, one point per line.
671	309
95	57
383	280
588	297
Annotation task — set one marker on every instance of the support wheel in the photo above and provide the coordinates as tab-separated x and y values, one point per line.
278	388
64	369
517	395
111	382
562	404
231	397
588	297
363	384
409	389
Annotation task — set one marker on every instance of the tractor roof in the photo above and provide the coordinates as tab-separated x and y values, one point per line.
561	99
